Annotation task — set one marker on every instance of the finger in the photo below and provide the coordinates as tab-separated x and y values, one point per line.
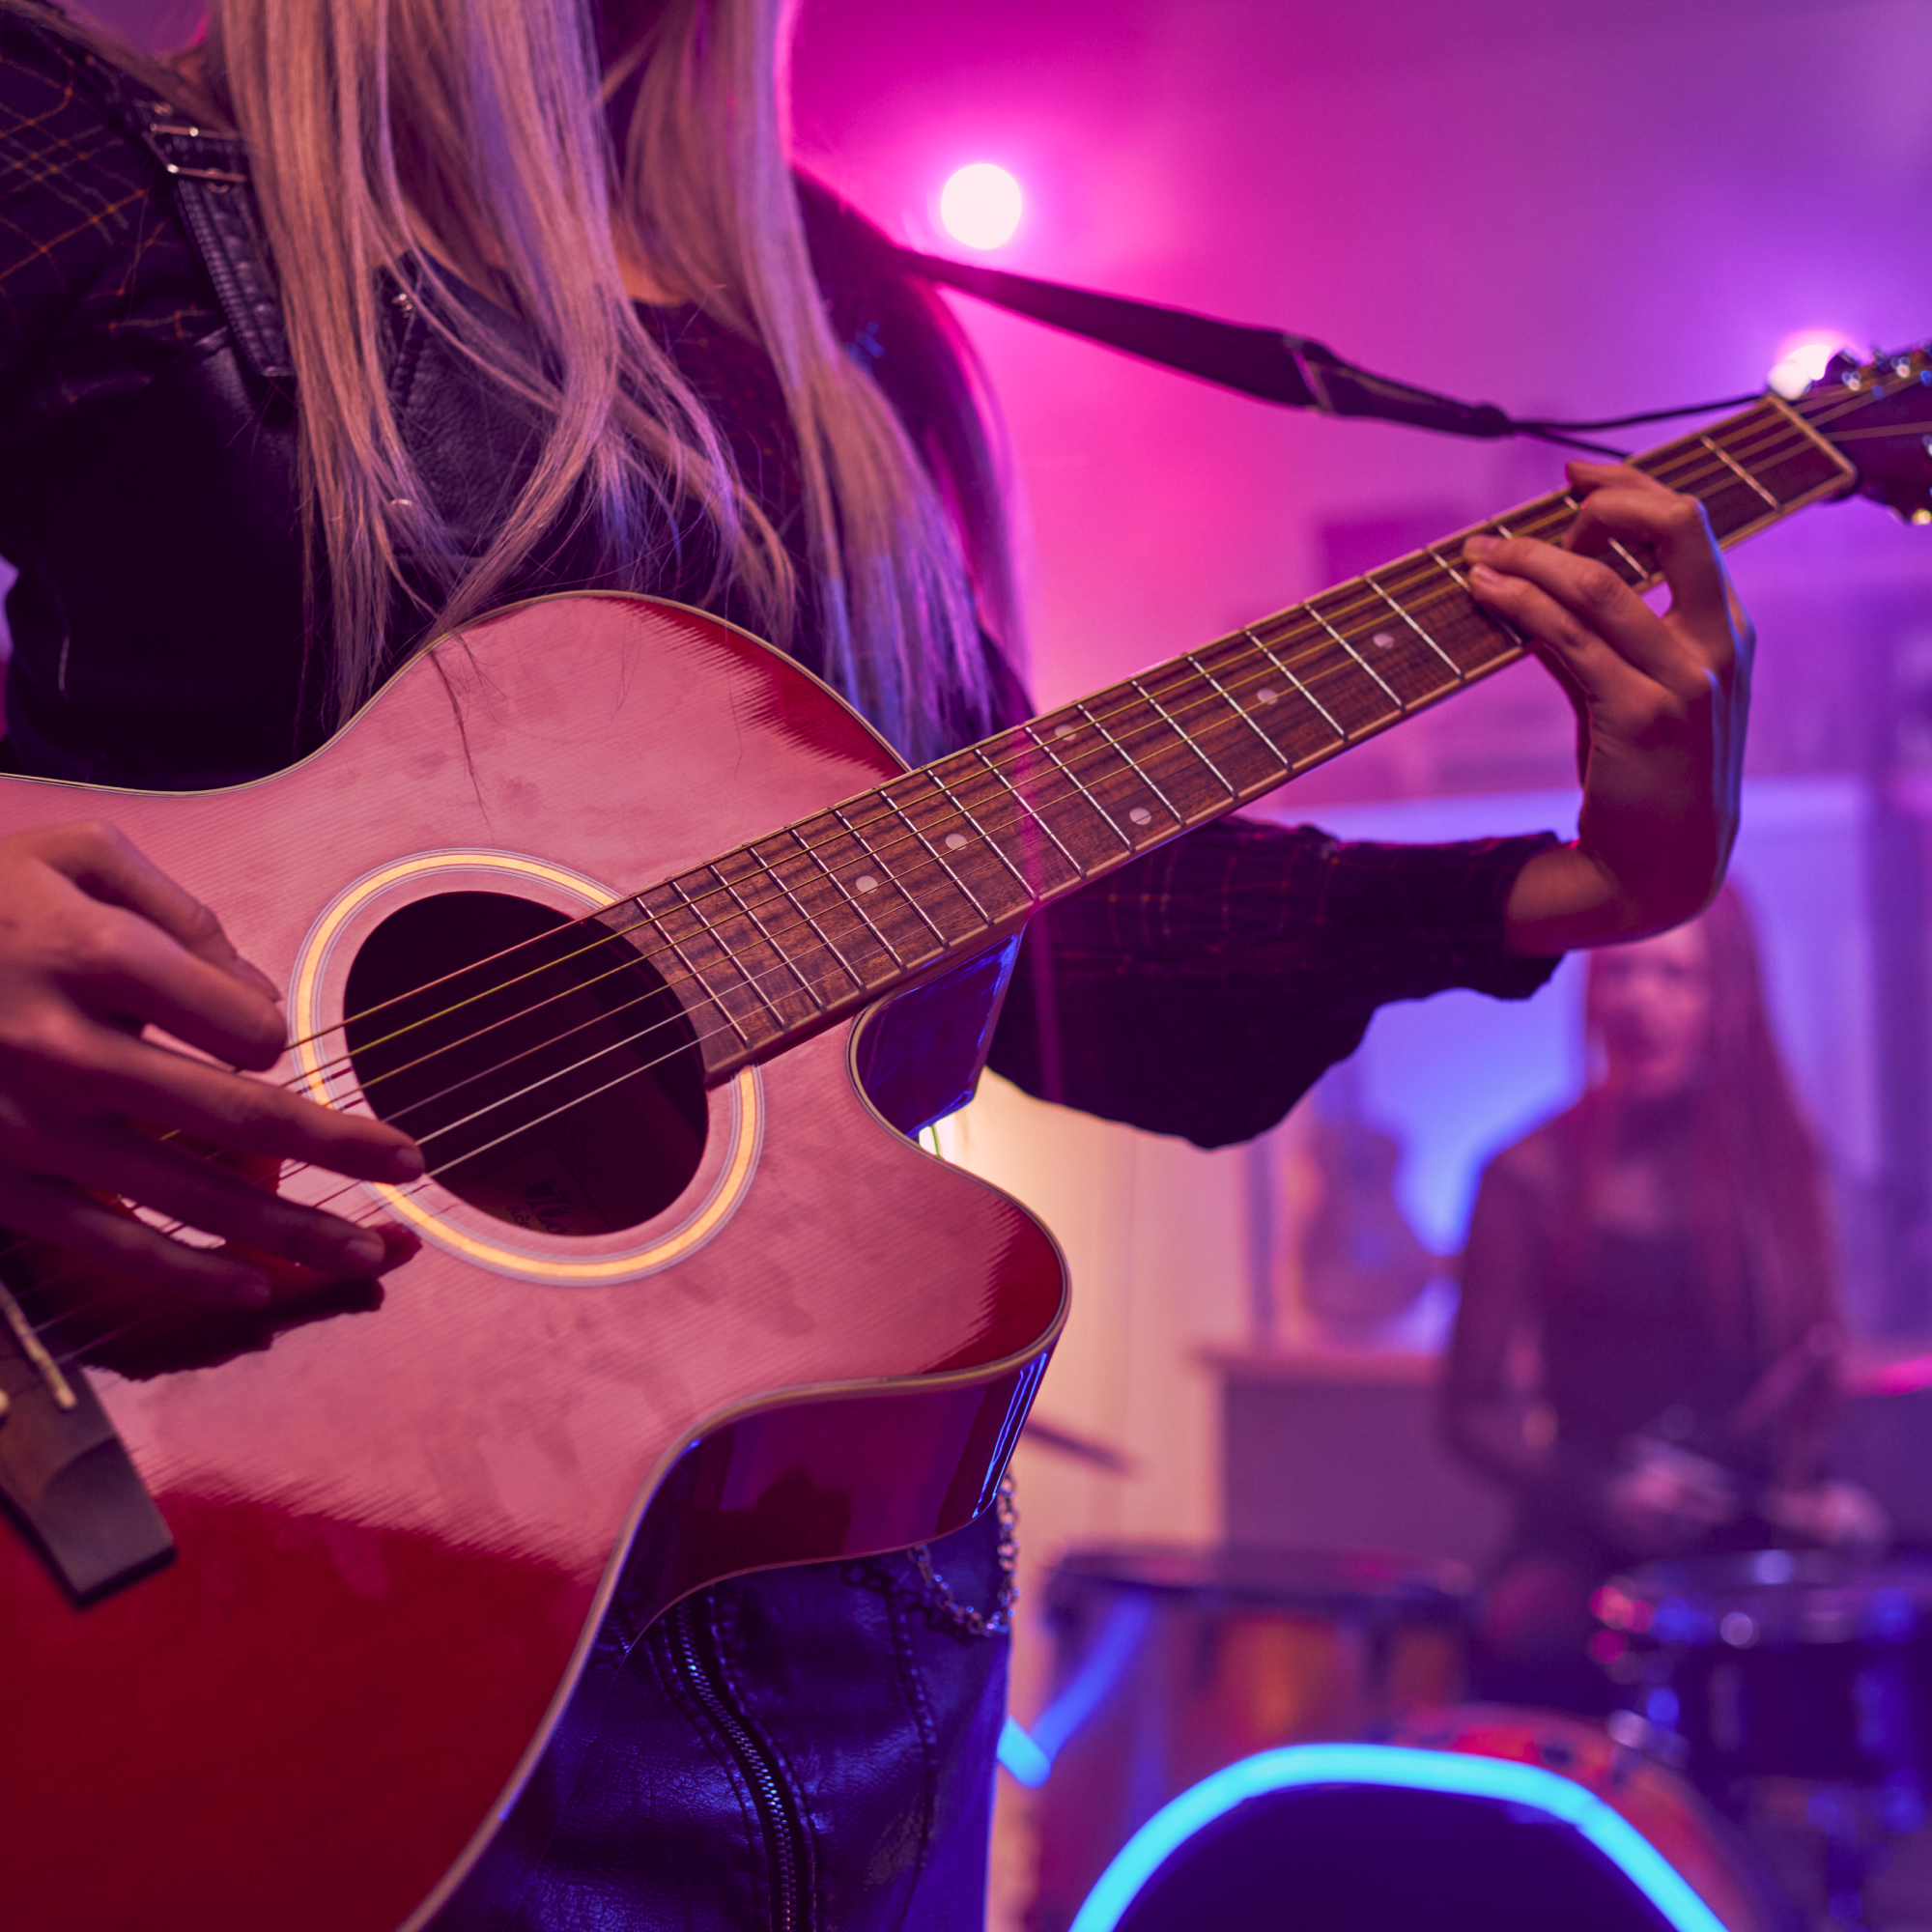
1585	477
107	866
148	1082
204	1194
1675	528
52	1210
120	966
291	1281
1604	674
1596	600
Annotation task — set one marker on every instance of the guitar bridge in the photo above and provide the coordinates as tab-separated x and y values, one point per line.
66	1475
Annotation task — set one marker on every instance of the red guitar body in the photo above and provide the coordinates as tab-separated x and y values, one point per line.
397	1524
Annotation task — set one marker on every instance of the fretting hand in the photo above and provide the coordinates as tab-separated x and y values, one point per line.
1661	702
98	947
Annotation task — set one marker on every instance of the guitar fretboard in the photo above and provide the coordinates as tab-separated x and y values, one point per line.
779	938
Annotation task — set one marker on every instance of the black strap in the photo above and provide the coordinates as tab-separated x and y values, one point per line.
210	173
1292	370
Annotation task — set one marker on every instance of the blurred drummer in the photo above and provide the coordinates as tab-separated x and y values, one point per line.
1649	1328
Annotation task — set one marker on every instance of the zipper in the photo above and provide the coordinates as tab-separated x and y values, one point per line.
784	1835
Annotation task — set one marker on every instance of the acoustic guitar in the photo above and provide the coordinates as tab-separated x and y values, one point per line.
291	1602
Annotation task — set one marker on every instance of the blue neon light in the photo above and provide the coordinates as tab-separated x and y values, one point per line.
1029	1756
1411	1770
1020	1755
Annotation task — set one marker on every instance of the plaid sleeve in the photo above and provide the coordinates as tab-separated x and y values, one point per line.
1202	990
97	279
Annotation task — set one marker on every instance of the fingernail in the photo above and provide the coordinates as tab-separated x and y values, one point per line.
1482	546
247	969
1484	577
365	1249
249	1291
406	1163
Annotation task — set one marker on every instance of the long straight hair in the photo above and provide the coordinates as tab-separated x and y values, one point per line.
1752	1195
512	148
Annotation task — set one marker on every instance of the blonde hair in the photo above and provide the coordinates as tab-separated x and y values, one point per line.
462	145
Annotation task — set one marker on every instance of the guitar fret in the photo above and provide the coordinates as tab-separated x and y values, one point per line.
1402	611
1221	691
938	857
807	852
1184	736
1637	573
1830	472
893	879
1353	697
1087	831
987	839
740	958
1317	704
1487	620
692	967
1399	706
1132	765
936	812
865	882
1028	812
760	875
1737	469
1072	772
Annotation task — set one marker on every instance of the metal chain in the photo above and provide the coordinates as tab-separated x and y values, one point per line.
939	1597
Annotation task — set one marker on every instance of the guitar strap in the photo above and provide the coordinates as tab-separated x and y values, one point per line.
210	173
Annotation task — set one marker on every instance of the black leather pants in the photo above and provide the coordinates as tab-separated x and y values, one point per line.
802	1748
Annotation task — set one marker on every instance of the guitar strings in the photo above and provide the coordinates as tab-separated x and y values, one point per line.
751	908
1344	614
1542	511
1545	510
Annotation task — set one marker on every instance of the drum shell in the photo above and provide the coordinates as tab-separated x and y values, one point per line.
1701	1844
1802	1665
1217	1655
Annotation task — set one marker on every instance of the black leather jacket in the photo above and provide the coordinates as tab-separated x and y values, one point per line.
804	1749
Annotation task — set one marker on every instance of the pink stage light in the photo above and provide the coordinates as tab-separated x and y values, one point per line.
981	206
1802	359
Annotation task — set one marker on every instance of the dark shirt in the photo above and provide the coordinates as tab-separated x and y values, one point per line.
1199	992
1631	1341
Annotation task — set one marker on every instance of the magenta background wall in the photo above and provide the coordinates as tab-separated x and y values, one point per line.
1574	209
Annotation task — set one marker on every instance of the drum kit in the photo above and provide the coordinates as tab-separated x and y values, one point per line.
1806	1674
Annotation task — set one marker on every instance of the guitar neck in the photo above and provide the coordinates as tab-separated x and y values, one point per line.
797	930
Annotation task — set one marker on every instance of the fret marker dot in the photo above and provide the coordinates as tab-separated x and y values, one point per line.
955	841
1140	815
1381	641
1062	730
865	882
1266	694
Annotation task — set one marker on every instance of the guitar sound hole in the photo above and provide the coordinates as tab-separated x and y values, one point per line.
559	1088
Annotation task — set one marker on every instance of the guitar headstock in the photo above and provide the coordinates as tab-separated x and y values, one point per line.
1878	414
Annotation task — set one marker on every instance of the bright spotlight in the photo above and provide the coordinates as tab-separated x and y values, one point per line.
1801	360
979	206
